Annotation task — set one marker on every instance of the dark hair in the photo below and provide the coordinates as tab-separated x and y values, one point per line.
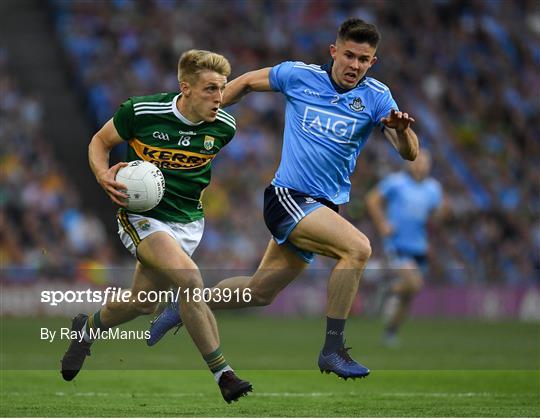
354	29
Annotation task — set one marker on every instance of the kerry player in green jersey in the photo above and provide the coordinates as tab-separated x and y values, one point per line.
180	133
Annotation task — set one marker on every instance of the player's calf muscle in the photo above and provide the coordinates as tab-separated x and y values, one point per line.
142	308
261	299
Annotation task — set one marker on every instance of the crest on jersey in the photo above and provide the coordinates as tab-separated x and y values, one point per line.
144	224
208	142
357	105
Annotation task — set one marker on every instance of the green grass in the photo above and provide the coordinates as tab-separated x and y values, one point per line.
444	368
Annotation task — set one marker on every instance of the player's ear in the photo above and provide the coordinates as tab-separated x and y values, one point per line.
373	60
333	51
185	88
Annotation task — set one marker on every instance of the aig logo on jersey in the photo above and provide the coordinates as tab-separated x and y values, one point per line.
208	142
338	128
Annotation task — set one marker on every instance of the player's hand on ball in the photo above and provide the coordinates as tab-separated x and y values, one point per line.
398	120
113	188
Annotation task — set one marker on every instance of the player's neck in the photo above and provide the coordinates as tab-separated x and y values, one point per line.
183	106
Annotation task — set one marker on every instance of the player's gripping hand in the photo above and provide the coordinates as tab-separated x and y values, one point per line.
398	120
113	188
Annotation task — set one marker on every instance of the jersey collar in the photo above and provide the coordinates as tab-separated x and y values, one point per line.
328	68
181	117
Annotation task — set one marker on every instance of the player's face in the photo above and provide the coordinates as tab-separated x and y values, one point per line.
204	96
351	62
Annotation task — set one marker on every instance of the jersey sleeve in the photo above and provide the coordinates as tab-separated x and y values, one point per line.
123	120
227	126
388	186
385	104
230	135
279	76
437	195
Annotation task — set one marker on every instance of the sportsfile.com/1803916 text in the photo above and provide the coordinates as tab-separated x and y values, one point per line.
114	294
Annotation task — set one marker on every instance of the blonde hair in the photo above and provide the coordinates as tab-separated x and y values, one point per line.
194	61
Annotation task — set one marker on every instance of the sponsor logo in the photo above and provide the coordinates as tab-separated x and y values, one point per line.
357	105
335	127
186	132
160	135
310	200
166	158
208	142
310	92
143	224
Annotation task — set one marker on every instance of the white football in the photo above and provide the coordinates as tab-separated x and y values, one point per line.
145	185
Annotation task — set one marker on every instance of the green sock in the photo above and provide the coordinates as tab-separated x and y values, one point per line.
93	324
217	363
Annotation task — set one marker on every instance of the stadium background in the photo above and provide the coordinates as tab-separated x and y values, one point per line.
468	71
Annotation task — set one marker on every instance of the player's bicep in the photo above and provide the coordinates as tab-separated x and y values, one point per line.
374	198
442	209
259	80
108	136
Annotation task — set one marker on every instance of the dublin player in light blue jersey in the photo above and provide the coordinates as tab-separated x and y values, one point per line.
330	112
401	205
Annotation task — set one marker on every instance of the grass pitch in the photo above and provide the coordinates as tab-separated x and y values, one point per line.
444	368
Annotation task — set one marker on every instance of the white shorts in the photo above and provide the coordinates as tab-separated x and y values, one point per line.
133	228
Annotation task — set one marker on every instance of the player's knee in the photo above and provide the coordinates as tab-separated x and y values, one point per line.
261	298
190	282
412	285
416	285
360	249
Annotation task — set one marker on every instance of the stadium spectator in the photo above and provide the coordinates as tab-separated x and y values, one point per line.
40	234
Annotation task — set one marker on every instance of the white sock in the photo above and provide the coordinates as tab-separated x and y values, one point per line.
217	374
86	337
390	307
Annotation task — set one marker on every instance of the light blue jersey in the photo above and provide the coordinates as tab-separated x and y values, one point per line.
408	206
325	128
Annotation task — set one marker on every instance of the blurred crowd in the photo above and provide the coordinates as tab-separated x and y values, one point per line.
43	226
468	71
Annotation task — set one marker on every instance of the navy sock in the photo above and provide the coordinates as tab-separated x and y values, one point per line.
391	329
334	335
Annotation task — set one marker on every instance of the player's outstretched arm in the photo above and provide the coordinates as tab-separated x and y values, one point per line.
252	81
375	206
443	211
399	132
98	156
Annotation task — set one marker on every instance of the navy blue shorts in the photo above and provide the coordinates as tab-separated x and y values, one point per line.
398	258
284	208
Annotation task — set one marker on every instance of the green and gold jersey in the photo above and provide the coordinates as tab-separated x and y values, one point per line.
157	132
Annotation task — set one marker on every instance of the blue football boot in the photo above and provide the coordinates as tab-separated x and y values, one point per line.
341	364
165	321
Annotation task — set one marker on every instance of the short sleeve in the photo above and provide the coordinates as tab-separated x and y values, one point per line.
388	186
437	195
231	132
385	104
124	120
279	76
